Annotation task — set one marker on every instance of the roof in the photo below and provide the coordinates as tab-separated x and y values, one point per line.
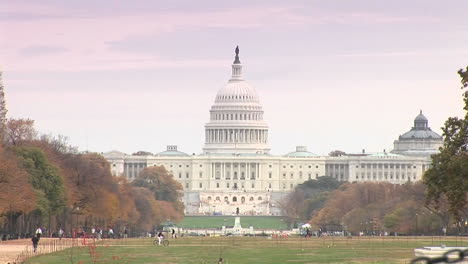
172	153
384	154
420	134
300	154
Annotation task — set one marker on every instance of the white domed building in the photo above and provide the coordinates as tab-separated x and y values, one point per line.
235	174
236	118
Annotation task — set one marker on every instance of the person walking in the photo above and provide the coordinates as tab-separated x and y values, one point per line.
173	233
125	232
111	233
60	233
38	233
35	242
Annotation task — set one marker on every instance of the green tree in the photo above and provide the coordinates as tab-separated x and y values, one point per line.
44	178
448	175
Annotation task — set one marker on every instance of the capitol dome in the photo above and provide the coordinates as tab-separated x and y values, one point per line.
237	91
236	118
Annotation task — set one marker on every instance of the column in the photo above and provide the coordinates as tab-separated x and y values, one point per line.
223	174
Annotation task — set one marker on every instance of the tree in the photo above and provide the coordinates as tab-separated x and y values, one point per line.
16	193
307	198
448	175
160	182
20	130
3	110
44	178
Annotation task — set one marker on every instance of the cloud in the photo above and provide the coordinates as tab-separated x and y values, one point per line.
83	40
41	50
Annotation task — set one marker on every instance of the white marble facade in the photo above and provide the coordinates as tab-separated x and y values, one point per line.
235	174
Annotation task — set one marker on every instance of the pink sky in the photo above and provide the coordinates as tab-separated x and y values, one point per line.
141	75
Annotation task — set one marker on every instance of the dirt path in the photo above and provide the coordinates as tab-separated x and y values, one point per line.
11	248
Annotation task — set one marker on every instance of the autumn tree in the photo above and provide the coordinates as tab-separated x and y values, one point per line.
307	198
19	130
165	189
448	176
378	206
17	196
160	182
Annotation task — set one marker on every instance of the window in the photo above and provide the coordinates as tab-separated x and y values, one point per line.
217	198
269	165
226	199
186	185
284	175
201	165
269	175
292	175
201	174
310	176
253	185
291	186
227	185
269	185
300	175
310	166
251	199
217	185
242	199
209	198
316	166
180	175
259	198
180	166
201	185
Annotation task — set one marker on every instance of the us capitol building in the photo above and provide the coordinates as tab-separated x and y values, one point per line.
235	174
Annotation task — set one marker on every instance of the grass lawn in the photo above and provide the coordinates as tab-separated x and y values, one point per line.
246	250
258	222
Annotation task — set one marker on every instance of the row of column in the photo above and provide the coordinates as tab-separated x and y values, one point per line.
235	116
221	172
236	136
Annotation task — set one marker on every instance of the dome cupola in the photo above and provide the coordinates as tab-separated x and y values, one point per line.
419	141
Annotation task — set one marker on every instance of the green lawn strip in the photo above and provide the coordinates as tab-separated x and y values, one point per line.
258	222
237	250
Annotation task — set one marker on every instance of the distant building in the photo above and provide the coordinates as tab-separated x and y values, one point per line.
419	141
235	174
